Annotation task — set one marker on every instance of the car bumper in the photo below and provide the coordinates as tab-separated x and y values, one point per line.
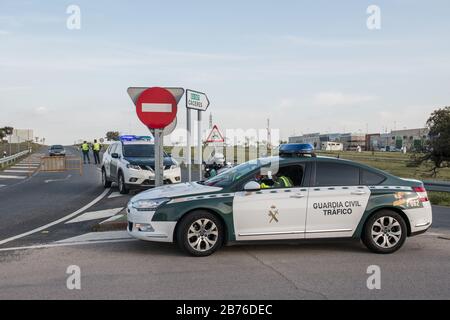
146	178
141	226
420	219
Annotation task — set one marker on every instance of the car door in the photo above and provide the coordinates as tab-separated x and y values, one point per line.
107	160
277	213
336	201
114	162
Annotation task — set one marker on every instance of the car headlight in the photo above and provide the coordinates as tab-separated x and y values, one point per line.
148	204
133	166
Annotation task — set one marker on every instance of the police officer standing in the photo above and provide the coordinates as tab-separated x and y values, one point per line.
96	150
85	150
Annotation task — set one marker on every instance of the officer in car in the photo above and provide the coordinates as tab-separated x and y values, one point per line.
85	150
96	150
273	181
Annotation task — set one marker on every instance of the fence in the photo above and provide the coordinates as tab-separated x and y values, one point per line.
7	160
60	164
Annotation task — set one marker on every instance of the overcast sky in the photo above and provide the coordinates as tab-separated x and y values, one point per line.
309	66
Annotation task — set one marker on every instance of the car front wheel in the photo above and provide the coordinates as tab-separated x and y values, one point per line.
122	186
200	233
106	183
385	232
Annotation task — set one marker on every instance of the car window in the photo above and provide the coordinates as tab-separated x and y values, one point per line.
57	147
289	176
371	178
113	148
336	174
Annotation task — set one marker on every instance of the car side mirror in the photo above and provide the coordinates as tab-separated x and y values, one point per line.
252	186
115	155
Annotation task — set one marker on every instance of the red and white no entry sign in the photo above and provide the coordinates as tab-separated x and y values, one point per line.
156	107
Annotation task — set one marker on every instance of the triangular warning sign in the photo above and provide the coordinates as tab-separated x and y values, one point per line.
215	135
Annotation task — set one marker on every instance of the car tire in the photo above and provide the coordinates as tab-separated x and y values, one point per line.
106	183
123	189
200	233
384	232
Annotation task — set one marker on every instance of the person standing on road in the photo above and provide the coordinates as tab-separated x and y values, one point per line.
96	150
85	150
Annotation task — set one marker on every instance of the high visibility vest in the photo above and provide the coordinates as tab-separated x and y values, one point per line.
286	181
97	146
85	147
264	186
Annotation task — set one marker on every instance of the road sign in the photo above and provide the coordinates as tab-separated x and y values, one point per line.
196	100
215	135
156	107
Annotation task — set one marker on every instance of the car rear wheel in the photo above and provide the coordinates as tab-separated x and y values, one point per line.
200	233
106	183
122	186
385	232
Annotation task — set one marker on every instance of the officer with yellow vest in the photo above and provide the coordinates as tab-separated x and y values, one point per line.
277	182
85	150
96	149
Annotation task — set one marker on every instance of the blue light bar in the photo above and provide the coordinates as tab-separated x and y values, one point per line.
296	149
145	138
127	137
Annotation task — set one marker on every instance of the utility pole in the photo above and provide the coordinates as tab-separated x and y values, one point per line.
269	138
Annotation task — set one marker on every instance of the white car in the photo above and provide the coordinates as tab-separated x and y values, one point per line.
131	163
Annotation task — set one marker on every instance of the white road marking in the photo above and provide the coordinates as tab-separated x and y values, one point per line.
12	177
97	236
93	215
156	107
2	185
18	171
69	216
113	218
115	195
22	167
52	245
53	180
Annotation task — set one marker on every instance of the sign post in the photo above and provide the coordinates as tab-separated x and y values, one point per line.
198	101
157	108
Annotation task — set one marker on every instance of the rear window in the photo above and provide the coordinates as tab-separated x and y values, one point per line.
336	174
371	178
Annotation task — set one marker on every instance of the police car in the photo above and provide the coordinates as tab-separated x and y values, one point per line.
322	197
130	163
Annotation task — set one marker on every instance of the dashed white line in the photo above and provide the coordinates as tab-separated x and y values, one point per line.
12	177
93	215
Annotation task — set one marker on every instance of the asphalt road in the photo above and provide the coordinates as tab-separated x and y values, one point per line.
124	268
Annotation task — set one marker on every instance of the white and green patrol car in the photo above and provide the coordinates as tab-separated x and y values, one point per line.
326	198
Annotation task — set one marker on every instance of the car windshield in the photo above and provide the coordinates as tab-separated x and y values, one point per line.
232	175
57	147
140	150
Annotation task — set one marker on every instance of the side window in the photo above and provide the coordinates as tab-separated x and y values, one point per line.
287	177
336	174
113	148
371	178
109	149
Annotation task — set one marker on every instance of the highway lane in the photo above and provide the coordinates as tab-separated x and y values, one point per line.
46	197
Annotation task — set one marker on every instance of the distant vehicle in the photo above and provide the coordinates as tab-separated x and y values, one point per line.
130	163
56	150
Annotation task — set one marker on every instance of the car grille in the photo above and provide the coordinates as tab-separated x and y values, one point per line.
143	167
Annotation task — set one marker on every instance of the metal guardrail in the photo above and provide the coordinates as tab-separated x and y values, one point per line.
7	160
442	186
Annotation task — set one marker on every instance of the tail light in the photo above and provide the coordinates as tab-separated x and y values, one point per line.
422	193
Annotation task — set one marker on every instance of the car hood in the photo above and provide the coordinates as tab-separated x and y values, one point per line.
175	190
148	161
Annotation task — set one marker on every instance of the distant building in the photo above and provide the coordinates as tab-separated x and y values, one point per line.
21	135
312	138
332	146
351	141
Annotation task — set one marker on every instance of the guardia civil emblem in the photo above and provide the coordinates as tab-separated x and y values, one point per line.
273	212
